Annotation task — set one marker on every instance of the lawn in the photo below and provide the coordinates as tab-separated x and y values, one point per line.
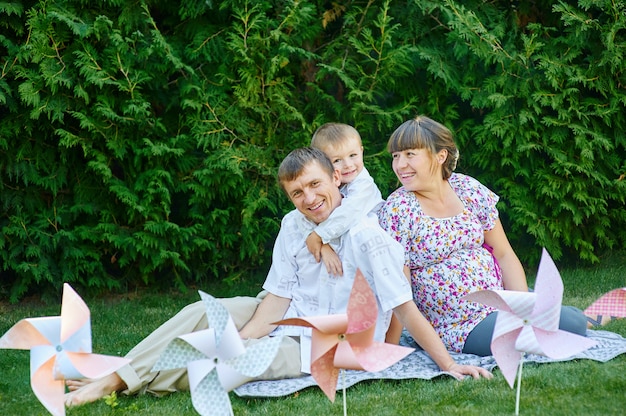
581	387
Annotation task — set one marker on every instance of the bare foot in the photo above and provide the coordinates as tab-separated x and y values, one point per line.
73	385
93	390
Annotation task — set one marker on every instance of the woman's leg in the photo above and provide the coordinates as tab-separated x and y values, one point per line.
479	340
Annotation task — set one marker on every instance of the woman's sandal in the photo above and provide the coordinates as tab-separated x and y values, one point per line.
599	320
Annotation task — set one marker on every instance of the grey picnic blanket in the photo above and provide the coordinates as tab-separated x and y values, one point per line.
419	365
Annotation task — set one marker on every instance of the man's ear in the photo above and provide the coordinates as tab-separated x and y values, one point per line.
337	177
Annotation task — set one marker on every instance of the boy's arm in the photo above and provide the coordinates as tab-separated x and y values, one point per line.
363	196
331	261
325	253
314	244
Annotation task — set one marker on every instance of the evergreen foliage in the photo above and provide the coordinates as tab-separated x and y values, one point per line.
139	140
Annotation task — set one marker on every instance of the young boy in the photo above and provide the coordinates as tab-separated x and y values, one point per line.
342	144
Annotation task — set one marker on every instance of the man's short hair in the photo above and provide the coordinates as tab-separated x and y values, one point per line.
294	163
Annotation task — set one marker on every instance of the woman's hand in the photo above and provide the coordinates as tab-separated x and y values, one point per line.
459	371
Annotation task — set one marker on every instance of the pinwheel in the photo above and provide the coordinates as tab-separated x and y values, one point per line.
346	341
528	322
60	348
216	359
609	306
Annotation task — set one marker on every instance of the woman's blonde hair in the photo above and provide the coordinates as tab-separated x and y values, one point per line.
425	133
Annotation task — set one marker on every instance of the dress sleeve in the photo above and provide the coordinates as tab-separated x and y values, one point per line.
477	198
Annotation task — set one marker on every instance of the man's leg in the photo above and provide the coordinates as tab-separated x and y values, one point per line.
136	377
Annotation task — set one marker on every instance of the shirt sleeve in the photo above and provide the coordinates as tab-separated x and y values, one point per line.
361	196
381	259
282	274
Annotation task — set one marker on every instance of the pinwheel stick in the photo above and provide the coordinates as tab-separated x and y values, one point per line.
519	384
343	381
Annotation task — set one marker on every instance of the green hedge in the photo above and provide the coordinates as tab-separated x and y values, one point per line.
139	140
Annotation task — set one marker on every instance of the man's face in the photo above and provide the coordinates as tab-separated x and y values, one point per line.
314	193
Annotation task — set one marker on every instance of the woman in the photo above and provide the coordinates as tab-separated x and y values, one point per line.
454	241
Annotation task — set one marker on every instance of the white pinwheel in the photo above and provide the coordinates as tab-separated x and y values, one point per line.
216	359
60	349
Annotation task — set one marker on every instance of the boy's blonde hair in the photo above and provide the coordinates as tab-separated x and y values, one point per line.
333	135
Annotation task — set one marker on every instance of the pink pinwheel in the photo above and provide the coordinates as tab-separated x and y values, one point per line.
216	359
528	322
60	348
609	306
346	341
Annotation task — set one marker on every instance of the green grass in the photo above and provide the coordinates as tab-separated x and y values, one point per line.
572	388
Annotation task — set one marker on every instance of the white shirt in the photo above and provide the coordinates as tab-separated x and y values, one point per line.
361	196
296	275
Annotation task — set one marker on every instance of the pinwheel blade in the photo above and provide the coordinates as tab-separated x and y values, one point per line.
257	358
183	350
75	321
561	344
49	391
325	374
209	397
362	310
549	292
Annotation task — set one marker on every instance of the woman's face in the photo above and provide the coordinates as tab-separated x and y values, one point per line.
415	168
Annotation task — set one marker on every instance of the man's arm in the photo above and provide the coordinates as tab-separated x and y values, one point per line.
271	309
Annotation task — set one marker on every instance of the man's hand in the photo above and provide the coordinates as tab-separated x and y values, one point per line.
271	309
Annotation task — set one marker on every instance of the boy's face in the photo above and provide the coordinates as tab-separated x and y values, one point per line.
314	193
348	158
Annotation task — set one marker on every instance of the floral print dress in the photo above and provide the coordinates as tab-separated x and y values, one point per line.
446	256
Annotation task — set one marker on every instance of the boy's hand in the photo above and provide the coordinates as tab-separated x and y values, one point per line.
331	261
314	244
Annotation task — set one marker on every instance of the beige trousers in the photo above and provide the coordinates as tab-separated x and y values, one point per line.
138	376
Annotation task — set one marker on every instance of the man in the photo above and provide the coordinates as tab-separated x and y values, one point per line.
297	285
